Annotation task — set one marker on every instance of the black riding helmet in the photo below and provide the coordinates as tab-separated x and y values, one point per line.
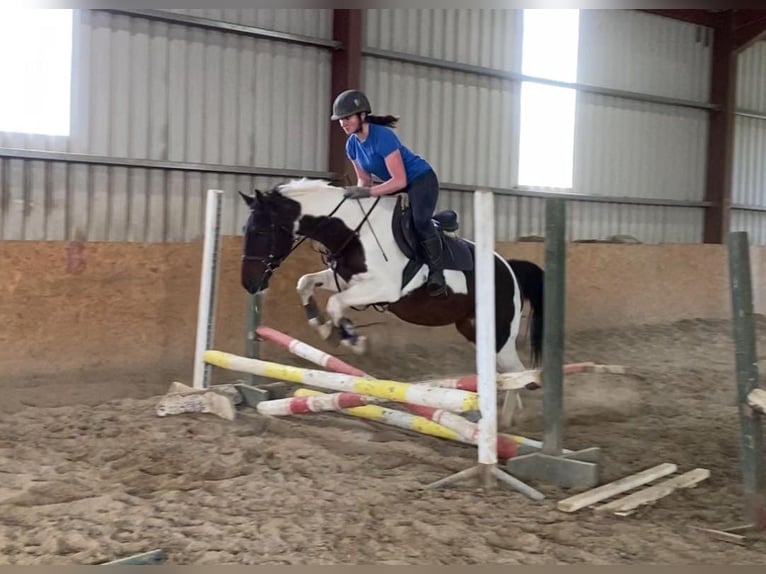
349	103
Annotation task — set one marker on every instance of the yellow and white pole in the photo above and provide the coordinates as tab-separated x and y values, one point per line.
453	400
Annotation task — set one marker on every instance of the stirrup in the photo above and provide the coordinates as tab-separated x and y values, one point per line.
436	288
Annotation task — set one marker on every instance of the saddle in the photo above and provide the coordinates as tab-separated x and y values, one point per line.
457	252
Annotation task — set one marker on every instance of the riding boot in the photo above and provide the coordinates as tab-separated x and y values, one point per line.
433	250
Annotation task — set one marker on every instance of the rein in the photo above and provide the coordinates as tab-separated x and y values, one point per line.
355	232
271	264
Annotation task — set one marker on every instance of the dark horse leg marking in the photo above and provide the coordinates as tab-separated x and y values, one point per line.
467	328
317	319
312	311
347	331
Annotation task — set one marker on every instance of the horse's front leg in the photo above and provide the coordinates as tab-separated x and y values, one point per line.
363	291
306	286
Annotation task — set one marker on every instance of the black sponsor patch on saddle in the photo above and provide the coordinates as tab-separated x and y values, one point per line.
457	253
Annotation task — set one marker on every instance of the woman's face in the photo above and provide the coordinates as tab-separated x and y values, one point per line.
351	124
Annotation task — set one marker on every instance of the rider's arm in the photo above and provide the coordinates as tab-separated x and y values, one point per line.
363	179
398	179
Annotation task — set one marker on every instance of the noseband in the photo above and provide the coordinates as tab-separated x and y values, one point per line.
270	261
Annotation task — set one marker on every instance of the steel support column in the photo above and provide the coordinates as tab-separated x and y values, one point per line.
346	74
720	131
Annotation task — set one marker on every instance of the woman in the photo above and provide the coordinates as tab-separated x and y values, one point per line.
374	149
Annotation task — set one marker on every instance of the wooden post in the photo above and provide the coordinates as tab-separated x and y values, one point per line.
253	315
579	469
553	325
751	441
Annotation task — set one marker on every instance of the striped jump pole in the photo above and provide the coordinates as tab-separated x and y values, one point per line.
469	430
449	399
306	351
530	379
316	403
524	379
508	381
333	402
337	401
507	447
304	402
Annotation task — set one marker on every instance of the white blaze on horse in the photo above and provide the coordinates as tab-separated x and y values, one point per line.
374	259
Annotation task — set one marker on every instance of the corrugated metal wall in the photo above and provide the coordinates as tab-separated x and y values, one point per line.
466	122
463	123
645	53
152	90
158	91
749	169
642	149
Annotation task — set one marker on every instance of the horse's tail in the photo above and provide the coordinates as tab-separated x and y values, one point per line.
531	280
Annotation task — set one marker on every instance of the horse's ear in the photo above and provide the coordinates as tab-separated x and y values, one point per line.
248	200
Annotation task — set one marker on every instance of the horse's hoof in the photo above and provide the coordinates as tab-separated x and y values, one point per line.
472	416
325	330
511	402
358	347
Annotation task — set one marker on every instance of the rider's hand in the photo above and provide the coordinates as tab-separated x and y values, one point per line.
356	192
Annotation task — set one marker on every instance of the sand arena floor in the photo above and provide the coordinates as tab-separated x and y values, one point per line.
89	473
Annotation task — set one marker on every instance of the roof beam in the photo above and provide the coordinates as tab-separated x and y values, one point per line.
745	17
747	31
699	17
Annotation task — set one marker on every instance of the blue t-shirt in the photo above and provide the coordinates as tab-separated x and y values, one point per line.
381	141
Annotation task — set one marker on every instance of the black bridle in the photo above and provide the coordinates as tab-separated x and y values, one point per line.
271	262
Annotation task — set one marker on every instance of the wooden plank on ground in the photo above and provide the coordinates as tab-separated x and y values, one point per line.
590	367
757	400
654	493
725	536
532	379
594	495
144	559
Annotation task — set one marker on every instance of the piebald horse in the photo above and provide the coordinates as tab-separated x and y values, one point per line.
374	258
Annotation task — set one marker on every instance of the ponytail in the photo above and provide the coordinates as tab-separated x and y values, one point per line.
389	121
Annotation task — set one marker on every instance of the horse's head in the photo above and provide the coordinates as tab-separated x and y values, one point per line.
268	236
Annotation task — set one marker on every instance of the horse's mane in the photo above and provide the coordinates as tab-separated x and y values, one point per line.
298	187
